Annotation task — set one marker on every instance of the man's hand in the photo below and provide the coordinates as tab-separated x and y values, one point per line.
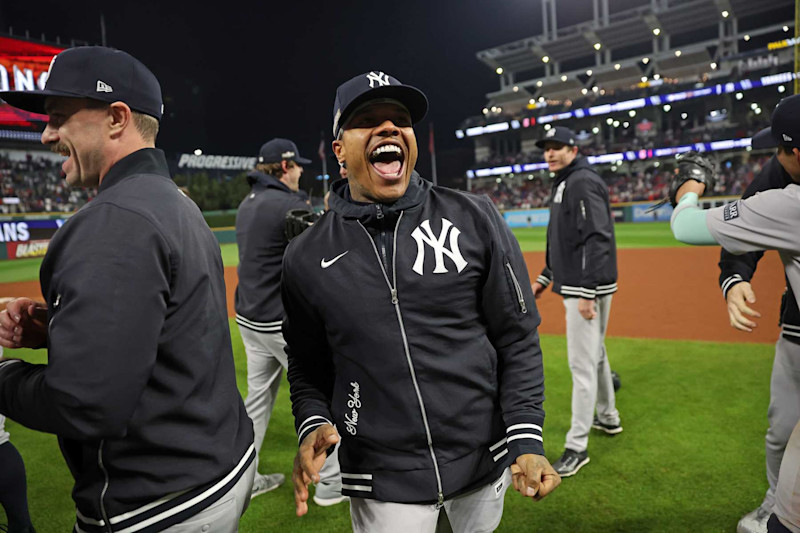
533	476
538	289
690	186
23	324
586	308
308	462
738	297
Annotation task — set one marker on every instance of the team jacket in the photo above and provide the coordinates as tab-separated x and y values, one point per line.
426	358
140	385
581	247
738	268
260	224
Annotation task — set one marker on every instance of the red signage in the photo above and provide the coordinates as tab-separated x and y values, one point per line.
23	67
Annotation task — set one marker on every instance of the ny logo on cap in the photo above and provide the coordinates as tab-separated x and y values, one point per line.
787	138
551	133
103	87
377	77
287	155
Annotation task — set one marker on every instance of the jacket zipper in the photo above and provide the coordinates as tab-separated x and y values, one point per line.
105	485
382	236
396	303
520	296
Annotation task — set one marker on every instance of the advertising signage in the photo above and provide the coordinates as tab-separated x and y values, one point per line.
23	67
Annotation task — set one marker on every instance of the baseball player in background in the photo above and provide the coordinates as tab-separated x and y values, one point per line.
582	266
766	221
261	235
736	272
411	326
140	384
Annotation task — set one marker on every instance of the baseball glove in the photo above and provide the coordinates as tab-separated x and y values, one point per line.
691	166
297	221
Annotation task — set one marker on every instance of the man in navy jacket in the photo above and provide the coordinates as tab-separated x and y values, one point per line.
412	327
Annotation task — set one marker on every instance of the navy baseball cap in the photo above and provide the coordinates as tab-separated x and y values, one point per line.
278	150
785	126
98	73
558	134
374	85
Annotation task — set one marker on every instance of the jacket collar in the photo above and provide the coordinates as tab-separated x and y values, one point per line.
144	161
578	163
342	203
266	181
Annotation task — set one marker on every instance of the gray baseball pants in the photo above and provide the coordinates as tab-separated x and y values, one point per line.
475	512
266	360
784	410
591	374
787	493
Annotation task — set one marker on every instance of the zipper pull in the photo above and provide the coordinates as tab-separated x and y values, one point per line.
394	296
380	211
440	503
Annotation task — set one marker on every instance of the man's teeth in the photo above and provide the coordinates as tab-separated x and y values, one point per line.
386	148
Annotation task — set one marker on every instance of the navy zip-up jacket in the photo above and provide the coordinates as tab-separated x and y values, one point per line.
140	385
581	246
261	238
431	368
738	268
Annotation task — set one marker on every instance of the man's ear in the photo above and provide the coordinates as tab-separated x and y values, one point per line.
120	117
338	150
284	166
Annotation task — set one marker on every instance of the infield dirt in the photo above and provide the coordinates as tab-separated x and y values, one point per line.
664	293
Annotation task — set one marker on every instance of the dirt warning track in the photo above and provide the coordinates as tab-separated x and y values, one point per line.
664	293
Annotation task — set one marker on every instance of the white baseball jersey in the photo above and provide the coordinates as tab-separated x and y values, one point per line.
770	220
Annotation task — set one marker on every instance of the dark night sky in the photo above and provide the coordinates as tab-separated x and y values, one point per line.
237	73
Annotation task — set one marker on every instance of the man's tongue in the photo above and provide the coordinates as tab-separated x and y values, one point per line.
390	168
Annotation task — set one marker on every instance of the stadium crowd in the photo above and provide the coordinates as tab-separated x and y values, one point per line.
36	185
626	185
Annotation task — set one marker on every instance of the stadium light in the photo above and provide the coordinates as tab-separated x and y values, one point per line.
645	60
656	31
198	151
594	89
494	109
617	66
547	127
757	111
656	76
644	79
713	66
753	106
499	180
786	28
532	101
626	124
609	121
656	164
499	109
667	108
746	37
564	77
595	130
541	98
616	123
725	14
597	46
515	89
589	72
781	88
631	113
485	111
499	70
684	116
677	53
546	59
539	83
739	96
584	91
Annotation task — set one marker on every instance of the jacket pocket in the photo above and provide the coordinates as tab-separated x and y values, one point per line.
523	308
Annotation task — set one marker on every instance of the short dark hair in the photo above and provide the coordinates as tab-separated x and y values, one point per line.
274	169
146	125
786	149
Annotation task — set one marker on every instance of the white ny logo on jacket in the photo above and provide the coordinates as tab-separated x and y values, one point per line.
437	243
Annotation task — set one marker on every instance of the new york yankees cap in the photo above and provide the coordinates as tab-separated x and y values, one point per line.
98	73
278	150
785	126
558	134
373	85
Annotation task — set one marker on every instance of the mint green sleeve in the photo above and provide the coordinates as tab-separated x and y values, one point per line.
688	222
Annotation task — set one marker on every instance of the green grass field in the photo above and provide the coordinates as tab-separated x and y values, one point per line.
691	457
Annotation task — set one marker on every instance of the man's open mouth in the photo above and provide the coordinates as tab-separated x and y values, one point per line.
387	160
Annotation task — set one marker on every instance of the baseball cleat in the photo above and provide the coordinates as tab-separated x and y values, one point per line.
265	483
570	462
611	429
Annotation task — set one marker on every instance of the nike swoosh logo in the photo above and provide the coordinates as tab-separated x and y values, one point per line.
326	264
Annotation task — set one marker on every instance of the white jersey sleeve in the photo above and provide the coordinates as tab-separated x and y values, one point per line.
767	221
3	433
